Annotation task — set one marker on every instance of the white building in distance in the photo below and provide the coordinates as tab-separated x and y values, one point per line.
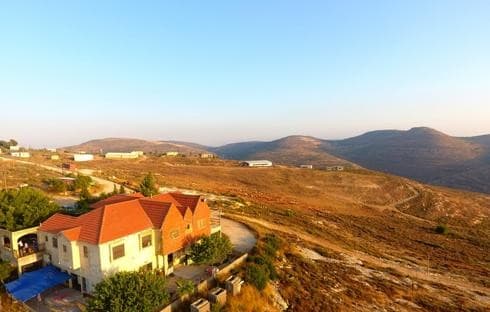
83	157
256	163
123	155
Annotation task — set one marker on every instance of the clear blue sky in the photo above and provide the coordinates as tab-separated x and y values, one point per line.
215	72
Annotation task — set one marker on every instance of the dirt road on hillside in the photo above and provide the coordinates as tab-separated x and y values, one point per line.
106	186
454	281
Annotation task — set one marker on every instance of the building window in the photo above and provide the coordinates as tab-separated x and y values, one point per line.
55	242
118	252
64	248
174	233
46	238
189	226
146	241
201	223
85	251
6	242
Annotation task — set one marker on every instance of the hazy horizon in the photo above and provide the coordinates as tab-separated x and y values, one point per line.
222	72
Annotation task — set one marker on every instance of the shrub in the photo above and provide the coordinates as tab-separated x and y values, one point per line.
257	275
185	287
142	291
212	249
442	229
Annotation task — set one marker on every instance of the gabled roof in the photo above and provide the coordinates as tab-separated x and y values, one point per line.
179	199
119	216
156	210
102	224
116	199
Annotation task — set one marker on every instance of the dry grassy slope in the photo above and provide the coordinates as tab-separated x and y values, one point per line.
355	211
295	150
423	154
127	145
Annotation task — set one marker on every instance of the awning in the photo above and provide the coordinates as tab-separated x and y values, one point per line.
30	284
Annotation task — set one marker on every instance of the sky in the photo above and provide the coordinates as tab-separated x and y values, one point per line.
216	72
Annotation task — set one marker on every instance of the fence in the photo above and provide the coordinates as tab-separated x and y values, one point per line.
210	283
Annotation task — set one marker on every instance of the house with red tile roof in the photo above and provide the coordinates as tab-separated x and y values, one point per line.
124	233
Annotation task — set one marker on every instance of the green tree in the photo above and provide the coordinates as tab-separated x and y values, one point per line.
142	291
56	185
82	182
122	190
212	249
148	185
5	270
24	207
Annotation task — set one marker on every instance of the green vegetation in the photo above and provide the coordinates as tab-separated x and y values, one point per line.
185	287
261	267
7	144
24	207
142	291
211	250
148	185
442	229
56	185
5	270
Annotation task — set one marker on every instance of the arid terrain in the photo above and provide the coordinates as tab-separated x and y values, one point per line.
356	240
422	154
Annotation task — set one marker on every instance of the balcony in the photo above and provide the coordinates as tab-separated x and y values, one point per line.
27	251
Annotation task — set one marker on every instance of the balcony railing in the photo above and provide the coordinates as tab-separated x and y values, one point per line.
23	252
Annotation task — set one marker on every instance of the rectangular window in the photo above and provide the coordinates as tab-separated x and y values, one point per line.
55	242
85	251
118	252
64	248
46	238
146	241
174	233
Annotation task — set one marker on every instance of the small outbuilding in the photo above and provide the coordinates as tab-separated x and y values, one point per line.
256	163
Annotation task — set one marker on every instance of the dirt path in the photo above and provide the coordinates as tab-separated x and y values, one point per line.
106	186
451	280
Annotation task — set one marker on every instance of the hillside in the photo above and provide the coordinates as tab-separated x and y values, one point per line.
127	145
373	231
293	150
423	154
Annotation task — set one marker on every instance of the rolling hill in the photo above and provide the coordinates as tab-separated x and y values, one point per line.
127	145
423	154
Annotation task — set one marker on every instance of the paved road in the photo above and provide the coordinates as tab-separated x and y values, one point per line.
242	238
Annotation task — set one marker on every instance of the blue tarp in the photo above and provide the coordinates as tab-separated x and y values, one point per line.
30	284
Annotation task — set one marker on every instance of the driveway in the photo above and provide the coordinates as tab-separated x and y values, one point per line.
242	238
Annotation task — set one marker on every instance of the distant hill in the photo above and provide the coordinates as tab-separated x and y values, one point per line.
423	154
293	150
420	153
128	145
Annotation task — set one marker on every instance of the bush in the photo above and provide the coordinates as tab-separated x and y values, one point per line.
5	270
185	287
442	229
212	249
142	291
257	275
